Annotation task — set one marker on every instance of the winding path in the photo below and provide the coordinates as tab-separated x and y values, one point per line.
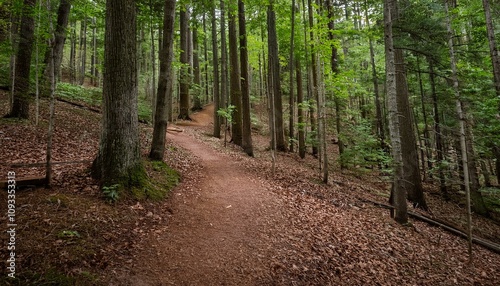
217	234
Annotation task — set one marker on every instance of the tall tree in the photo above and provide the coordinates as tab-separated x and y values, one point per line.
215	64
21	104
185	77
495	62
274	71
59	40
118	159
245	88
412	180
235	79
398	194
164	82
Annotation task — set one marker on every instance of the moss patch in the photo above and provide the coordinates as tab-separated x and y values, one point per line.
153	180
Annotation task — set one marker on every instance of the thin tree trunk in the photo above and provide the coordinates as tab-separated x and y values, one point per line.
215	64
300	111
153	62
196	71
223	58
313	82
462	123
245	88
291	101
235	81
274	70
427	139
438	136
205	57
72	57
52	80
184	73
83	51
59	40
164	82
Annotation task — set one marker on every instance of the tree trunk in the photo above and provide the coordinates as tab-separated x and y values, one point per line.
274	70
185	78
245	88
59	40
196	71
291	101
495	61
335	70
164	82
83	51
313	82
118	159
21	104
398	193
438	136
223	58
462	123
235	83
72	55
412	181
215	64
300	111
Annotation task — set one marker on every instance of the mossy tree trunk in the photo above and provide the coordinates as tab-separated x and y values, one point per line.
118	159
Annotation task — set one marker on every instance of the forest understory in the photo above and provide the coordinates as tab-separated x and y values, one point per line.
286	229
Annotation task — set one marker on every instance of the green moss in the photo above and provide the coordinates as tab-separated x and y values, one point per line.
151	180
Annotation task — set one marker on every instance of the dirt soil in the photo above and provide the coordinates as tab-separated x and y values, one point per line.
229	222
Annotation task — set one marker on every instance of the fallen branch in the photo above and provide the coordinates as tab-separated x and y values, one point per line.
25	182
444	225
43	164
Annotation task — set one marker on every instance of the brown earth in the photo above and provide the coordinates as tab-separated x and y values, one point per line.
229	222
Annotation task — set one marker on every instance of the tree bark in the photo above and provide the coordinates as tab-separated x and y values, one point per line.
164	82
437	130
274	70
291	122
59	40
21	104
245	88
398	193
412	180
185	78
118	159
235	83
196	71
215	64
300	111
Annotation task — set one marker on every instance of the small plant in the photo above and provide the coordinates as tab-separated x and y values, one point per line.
69	234
111	192
227	113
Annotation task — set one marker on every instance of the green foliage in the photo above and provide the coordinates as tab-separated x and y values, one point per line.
362	147
491	198
227	113
111	192
68	234
92	96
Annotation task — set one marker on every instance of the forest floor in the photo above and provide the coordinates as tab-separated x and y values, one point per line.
230	221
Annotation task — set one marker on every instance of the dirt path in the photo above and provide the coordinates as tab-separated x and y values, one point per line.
218	232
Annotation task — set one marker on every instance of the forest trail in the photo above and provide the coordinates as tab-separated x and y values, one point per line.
218	233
